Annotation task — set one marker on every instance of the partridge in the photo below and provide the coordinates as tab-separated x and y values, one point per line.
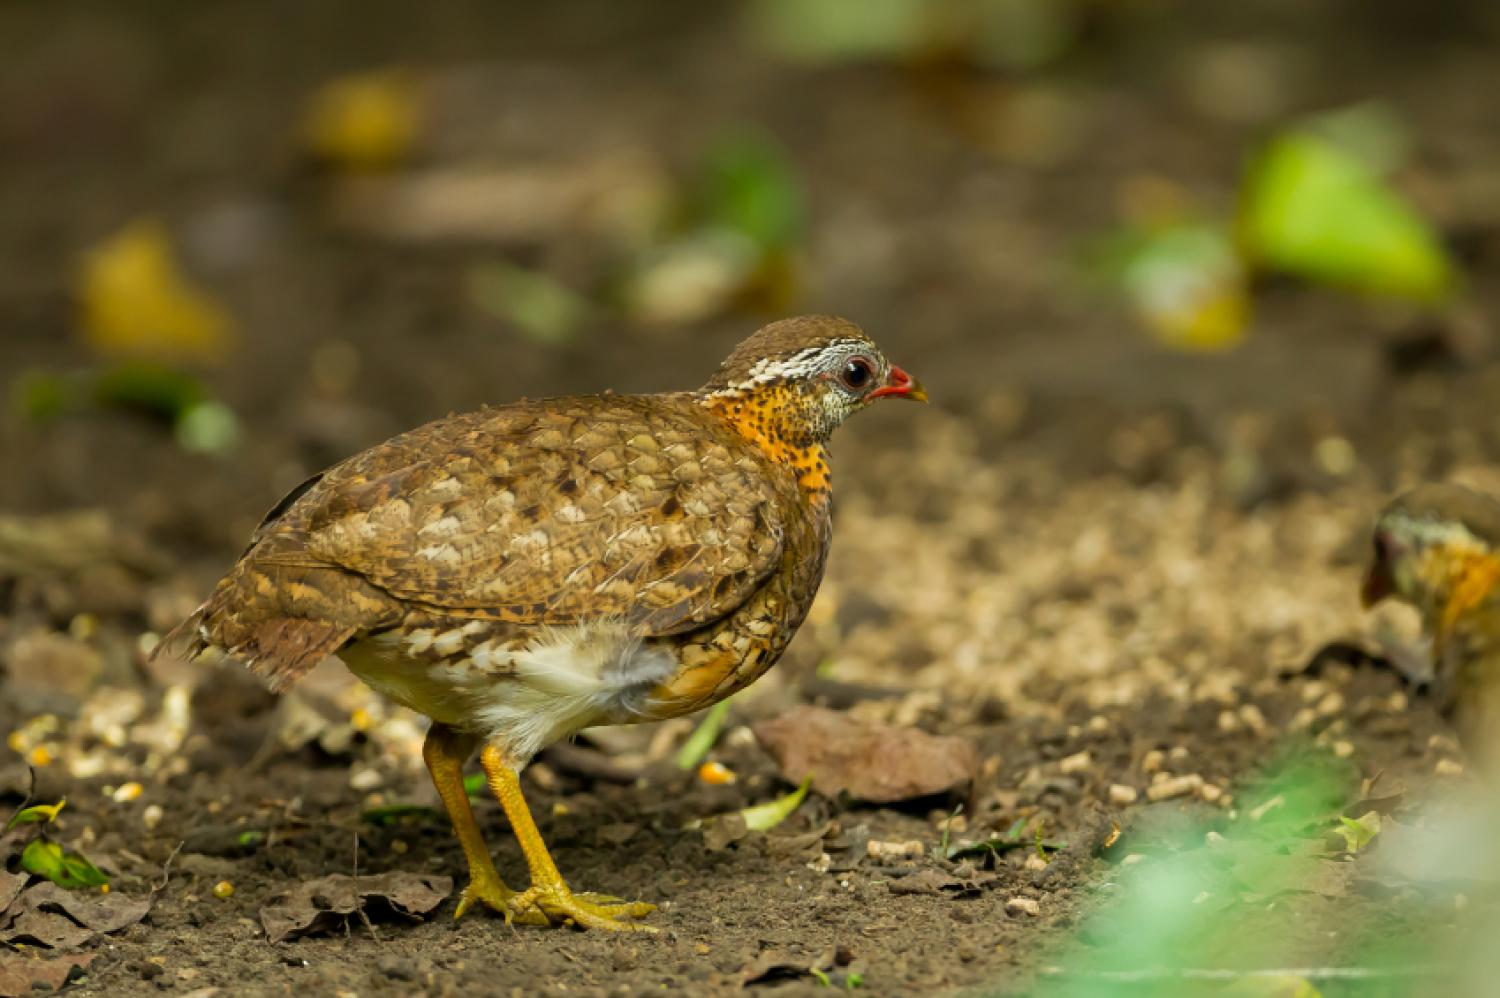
523	572
1437	549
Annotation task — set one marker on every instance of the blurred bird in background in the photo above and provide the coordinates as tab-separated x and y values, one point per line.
1435	549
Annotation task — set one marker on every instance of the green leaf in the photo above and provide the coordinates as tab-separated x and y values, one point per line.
43	813
1359	832
475	784
837	30
64	867
148	387
763	817
746	184
207	428
703	737
541	308
1315	210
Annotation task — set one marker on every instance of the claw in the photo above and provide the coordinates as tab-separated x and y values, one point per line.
560	906
500	899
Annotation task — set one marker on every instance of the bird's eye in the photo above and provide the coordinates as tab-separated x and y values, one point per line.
857	373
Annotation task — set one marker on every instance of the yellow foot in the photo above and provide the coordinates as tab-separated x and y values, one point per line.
560	906
500	899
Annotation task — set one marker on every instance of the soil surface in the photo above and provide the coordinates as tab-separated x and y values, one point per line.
1106	565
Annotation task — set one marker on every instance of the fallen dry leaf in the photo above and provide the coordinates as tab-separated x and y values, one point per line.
776	966
326	903
724	831
871	762
11	885
963	882
27	974
47	915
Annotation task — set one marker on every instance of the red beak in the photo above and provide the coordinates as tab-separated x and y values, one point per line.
899	384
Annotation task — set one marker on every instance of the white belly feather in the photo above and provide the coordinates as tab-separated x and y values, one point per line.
521	696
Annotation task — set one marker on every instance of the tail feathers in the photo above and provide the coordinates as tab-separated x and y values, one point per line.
281	620
280	650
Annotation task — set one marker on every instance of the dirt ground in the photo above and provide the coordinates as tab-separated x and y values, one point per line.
1098	560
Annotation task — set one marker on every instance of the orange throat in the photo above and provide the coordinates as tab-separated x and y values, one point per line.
767	418
1471	577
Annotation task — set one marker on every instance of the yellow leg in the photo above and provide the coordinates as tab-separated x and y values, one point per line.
445	751
548	892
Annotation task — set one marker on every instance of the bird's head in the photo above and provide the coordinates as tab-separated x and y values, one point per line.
1430	546
796	380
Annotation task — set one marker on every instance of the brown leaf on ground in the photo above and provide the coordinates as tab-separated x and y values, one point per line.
963	882
871	762
775	966
11	885
23	974
100	912
47	915
326	903
724	831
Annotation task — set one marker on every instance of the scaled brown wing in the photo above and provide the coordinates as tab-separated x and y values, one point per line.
636	510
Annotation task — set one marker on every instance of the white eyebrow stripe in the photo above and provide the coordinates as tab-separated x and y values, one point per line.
801	363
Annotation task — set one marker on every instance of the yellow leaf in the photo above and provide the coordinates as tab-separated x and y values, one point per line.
364	122
1213	320
136	302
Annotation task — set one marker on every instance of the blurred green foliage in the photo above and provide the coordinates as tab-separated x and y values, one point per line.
542	308
1314	209
156	390
1313	204
1206	892
1010	34
730	238
1183	279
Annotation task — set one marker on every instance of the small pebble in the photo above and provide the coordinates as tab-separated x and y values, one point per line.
1098	725
1153	761
365	779
1253	719
1076	763
1448	767
1179	754
1174	786
1330	705
1343	749
883	850
1022	906
1442	744
1229	721
151	817
1035	862
1211	792
126	793
1121	794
